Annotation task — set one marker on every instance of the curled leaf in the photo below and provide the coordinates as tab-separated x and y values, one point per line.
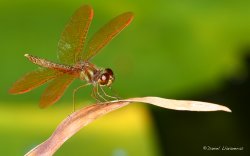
74	122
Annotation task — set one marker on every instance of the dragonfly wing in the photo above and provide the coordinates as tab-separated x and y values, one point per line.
73	37
106	34
55	90
32	80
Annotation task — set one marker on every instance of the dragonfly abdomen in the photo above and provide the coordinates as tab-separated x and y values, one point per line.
48	64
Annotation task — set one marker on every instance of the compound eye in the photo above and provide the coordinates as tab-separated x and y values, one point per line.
109	71
104	79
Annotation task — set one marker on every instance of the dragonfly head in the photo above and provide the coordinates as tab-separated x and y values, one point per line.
106	78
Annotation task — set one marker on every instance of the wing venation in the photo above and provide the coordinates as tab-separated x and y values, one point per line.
55	90
32	80
106	34
74	35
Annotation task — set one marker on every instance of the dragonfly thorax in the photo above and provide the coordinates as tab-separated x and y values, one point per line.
87	71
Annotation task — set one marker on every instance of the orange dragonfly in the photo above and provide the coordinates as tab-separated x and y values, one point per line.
74	63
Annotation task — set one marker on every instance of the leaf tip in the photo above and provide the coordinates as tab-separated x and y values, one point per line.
227	109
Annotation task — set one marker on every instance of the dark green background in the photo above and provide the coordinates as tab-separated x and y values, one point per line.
173	49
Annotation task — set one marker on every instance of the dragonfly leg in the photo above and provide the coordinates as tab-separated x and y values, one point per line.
115	93
112	97
94	94
74	92
105	100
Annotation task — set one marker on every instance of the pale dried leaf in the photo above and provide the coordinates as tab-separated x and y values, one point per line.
180	104
74	122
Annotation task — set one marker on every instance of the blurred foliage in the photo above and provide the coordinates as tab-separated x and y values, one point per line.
170	48
107	136
173	48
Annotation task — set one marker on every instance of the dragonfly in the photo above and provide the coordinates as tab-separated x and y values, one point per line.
74	56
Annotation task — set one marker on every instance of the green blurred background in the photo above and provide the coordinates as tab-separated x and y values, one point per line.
178	49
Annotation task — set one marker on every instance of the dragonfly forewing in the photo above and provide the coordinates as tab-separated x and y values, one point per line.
74	35
106	34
